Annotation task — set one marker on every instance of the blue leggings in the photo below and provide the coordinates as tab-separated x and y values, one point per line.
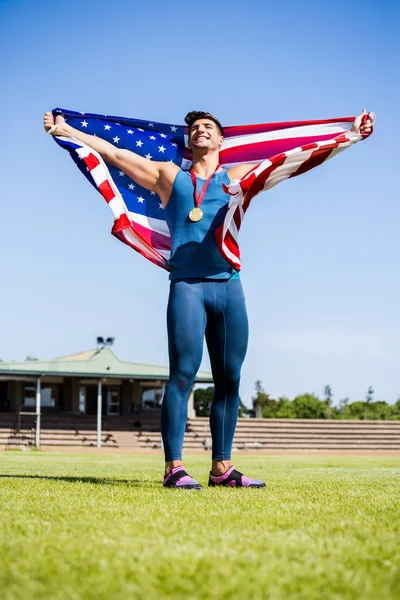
217	310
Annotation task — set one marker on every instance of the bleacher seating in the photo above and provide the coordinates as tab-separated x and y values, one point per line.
142	432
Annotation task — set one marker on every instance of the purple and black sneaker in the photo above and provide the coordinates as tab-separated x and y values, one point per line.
233	478
178	479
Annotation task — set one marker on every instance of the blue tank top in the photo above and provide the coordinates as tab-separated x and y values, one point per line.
194	251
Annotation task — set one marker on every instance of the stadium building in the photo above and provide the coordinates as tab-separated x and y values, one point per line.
92	390
71	384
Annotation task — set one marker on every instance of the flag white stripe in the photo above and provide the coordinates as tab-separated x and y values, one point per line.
98	174
117	208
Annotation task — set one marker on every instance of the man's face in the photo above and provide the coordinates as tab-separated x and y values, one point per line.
204	134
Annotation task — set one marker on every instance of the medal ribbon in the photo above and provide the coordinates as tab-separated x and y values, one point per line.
199	199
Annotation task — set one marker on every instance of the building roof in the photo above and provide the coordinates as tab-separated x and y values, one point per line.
93	363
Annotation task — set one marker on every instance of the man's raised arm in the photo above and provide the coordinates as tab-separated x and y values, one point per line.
154	176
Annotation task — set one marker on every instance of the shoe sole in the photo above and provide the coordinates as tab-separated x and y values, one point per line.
194	488
213	484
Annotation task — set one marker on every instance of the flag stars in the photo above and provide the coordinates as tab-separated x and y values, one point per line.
149	156
151	125
173	128
163	135
174	145
141	199
139	143
84	123
160	206
121	173
130	131
116	139
140	129
161	149
152	193
131	186
152	137
107	127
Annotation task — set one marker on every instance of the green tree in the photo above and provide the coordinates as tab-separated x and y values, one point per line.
202	402
285	409
379	410
394	410
355	410
308	406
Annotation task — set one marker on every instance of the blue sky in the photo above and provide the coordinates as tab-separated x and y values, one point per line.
320	253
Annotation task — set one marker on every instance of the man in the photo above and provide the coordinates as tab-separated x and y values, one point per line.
206	296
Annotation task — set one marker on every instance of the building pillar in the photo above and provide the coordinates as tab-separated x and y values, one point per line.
38	407
99	409
191	411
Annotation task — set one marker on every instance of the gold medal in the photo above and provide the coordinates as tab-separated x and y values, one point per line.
196	214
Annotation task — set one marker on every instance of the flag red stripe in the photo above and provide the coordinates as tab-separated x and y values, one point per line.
233	247
106	191
237	218
123	222
91	161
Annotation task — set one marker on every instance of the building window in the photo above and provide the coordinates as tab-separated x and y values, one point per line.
30	395
49	395
113	402
82	400
152	398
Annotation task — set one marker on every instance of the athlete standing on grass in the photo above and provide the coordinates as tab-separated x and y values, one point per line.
206	296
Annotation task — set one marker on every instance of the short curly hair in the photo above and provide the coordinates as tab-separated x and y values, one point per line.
194	115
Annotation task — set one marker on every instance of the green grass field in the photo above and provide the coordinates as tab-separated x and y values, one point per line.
90	526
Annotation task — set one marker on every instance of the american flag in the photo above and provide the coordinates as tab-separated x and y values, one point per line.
280	151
